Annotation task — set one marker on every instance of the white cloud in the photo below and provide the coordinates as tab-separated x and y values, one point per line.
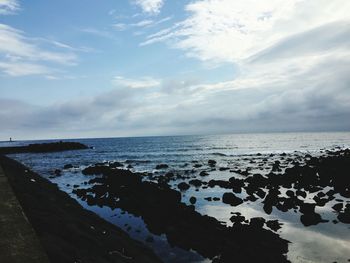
293	60
145	82
8	7
143	23
150	6
13	42
120	26
313	97
225	30
16	69
99	32
69	47
18	50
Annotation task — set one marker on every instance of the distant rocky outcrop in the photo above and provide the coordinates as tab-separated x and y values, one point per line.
44	147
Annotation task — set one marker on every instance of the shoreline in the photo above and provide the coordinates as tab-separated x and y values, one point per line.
304	189
310	189
67	231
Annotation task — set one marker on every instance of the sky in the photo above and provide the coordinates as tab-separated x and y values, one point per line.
109	68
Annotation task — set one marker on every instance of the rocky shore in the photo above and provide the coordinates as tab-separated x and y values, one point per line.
68	232
303	188
163	212
167	200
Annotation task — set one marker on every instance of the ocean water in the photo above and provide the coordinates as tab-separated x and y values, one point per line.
326	242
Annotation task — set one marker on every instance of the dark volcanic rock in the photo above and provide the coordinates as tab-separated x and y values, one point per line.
203	173
58	172
183	186
231	199
237	219
290	193
257	222
338	207
311	219
116	165
344	216
276	167
236	184
260	193
162	166
301	193
68	232
307	208
251	198
220	183
212	163
193	200
195	182
162	211
91	170
68	166
273	224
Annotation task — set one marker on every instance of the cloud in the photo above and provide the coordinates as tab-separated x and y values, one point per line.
120	26
229	31
100	32
8	7
330	37
145	82
69	47
21	55
292	60
150	6
145	23
16	69
313	98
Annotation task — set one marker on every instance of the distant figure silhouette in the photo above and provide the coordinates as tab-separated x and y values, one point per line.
10	139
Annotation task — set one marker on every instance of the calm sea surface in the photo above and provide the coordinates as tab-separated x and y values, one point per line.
325	242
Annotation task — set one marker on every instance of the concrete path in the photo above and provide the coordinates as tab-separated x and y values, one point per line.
18	241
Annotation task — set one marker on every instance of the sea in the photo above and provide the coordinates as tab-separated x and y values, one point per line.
326	242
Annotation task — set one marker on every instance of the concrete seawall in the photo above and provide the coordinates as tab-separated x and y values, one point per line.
18	240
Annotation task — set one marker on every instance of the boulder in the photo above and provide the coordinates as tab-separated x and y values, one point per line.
211	163
273	225
257	222
203	173
231	199
195	182
183	186
193	200
68	166
162	166
311	219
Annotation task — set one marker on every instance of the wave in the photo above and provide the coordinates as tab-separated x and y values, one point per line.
219	154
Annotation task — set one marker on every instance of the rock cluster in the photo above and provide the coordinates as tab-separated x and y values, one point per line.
163	212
